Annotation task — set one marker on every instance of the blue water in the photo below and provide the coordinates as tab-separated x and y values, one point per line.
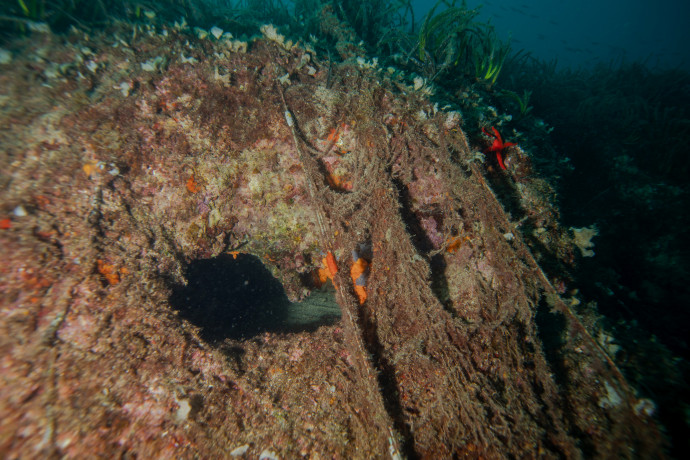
585	32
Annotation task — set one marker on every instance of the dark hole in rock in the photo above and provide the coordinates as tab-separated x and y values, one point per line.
551	325
239	298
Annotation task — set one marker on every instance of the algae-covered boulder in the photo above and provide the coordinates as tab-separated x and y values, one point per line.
452	343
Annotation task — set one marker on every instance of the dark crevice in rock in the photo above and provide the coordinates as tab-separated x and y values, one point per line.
239	298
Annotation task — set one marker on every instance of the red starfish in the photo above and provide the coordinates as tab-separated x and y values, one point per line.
498	145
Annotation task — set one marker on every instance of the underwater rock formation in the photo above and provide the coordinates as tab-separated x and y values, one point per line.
121	167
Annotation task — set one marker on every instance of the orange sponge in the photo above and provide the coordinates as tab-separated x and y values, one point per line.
358	273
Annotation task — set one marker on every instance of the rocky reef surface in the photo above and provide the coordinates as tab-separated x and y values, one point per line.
129	154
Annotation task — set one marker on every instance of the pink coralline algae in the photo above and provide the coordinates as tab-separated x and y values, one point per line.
430	227
436	351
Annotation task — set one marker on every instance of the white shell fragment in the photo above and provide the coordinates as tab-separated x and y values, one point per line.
182	411
124	88
92	66
288	119
5	56
268	455
152	64
241	450
216	32
201	33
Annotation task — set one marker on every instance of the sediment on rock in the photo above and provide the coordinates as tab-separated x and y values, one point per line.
445	357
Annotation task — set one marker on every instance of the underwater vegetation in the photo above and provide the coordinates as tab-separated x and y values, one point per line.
449	40
643	111
625	128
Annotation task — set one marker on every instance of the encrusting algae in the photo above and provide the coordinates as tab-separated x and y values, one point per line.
437	353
